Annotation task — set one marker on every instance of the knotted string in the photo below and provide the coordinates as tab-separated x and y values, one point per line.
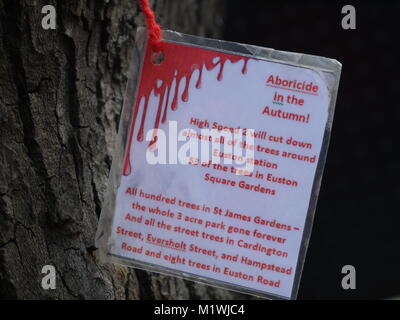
153	28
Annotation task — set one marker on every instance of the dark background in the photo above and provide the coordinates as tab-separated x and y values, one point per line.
357	220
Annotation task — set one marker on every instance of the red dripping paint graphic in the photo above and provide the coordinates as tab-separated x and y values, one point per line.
179	63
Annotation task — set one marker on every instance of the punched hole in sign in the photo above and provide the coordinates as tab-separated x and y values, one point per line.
157	57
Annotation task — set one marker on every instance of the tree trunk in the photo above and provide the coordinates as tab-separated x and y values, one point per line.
61	93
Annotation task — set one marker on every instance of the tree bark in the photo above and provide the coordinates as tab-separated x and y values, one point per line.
61	93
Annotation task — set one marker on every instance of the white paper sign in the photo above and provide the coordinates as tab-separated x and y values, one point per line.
237	223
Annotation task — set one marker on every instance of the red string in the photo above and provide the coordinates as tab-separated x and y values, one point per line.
153	28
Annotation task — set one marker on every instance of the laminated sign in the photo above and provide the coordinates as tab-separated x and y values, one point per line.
218	163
